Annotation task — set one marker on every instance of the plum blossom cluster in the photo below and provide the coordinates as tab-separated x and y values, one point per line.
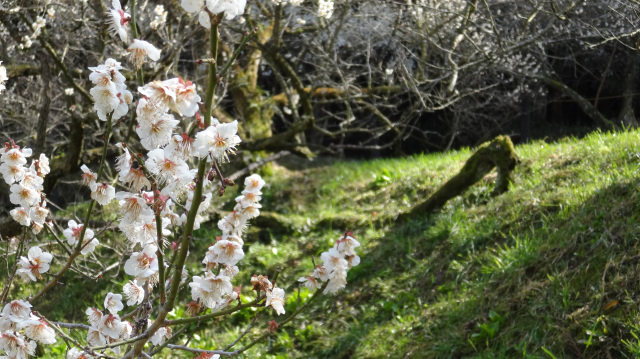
107	327
325	8
17	325
336	262
230	8
160	17
275	296
37	27
26	185
109	93
216	291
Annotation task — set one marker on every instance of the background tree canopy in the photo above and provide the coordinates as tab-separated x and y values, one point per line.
375	78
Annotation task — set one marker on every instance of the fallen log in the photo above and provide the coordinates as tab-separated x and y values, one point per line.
497	153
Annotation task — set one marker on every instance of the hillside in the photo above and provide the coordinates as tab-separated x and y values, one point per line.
550	269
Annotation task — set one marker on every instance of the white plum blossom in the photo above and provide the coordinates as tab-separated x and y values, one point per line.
113	303
11	173
186	97
38	330
230	8
135	179
227	252
75	353
157	131
16	346
88	177
275	299
192	6
16	311
43	165
210	289
347	245
34	264
118	19
106	99
3	77
143	264
39	213
73	231
160	18
89	245
161	335
254	183
16	156
325	8
132	206
21	215
103	193
93	316
217	141
180	146
24	196
140	50
133	292
167	168
309	282
124	161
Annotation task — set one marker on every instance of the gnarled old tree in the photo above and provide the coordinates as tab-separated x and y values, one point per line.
360	75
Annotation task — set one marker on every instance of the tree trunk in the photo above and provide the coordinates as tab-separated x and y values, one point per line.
582	102
627	118
497	153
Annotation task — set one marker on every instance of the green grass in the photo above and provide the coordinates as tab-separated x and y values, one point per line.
533	273
549	269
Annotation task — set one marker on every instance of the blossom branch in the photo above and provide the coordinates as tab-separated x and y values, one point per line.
219	313
197	199
78	248
200	351
12	274
66	337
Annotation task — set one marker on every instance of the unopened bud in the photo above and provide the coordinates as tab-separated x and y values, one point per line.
221	191
212	175
229	182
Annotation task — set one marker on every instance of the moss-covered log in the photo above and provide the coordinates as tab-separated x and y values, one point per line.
497	153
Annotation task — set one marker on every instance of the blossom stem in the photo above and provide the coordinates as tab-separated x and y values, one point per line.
285	321
245	39
68	338
219	313
14	268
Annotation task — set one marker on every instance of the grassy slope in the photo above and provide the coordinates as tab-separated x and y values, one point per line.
548	269
528	274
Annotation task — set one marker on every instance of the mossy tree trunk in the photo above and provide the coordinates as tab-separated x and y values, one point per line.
627	118
497	153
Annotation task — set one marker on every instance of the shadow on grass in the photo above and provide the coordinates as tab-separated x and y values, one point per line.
562	279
